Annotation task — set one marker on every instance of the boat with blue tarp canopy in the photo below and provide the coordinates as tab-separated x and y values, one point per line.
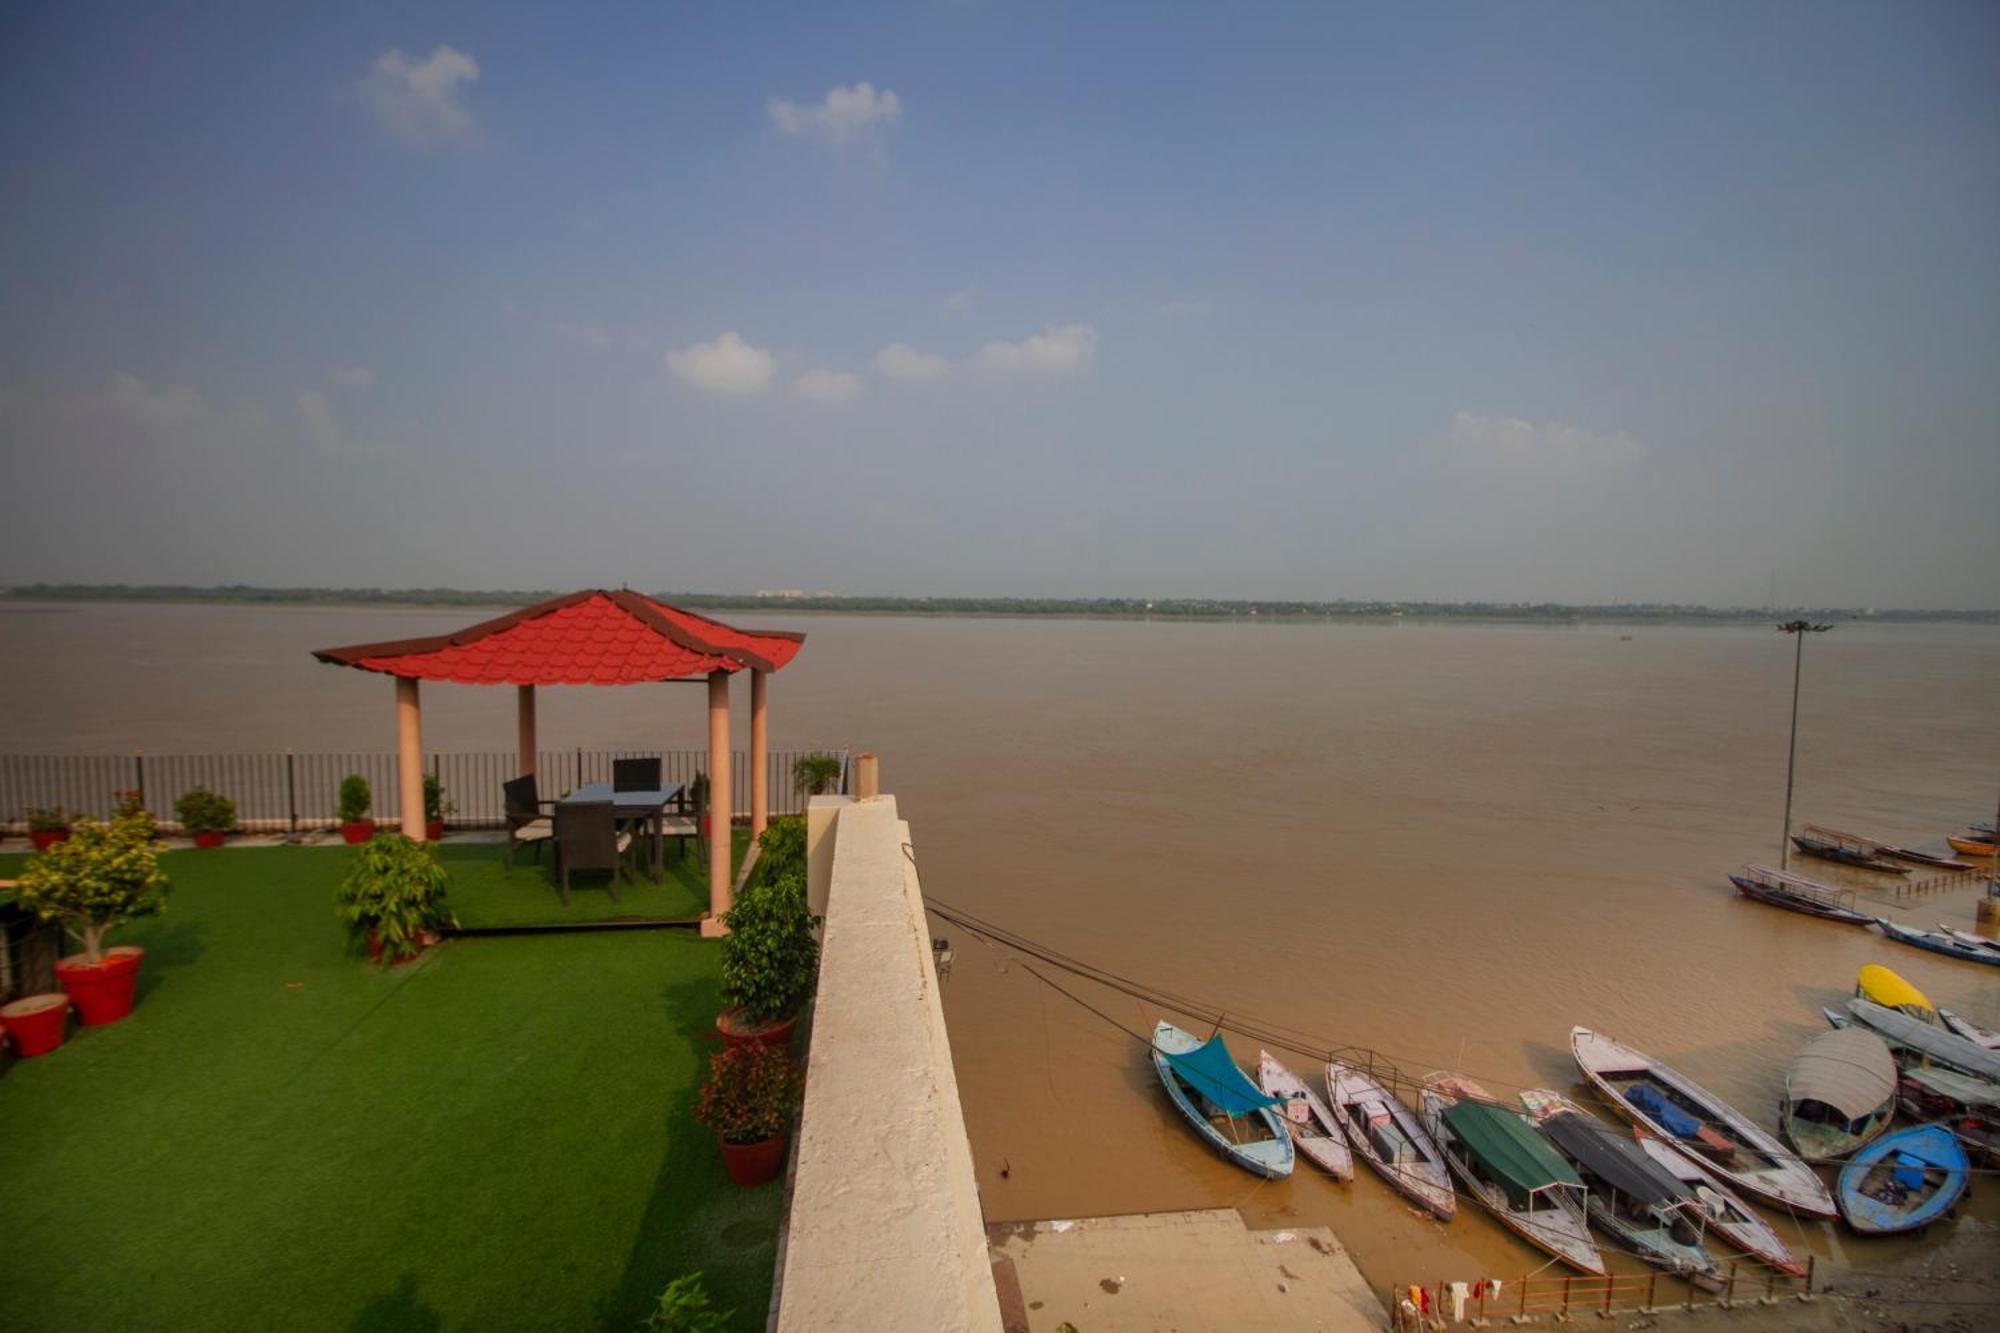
1234	1115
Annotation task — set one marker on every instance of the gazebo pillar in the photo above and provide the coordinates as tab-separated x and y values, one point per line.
719	802
410	757
760	801
524	712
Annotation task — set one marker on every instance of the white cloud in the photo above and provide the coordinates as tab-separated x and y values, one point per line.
856	115
421	101
1513	444
900	361
1065	349
728	366
834	388
587	335
353	377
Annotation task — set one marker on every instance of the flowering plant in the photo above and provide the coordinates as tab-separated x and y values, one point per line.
105	875
751	1093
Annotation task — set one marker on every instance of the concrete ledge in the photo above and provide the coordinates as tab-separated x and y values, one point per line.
885	1229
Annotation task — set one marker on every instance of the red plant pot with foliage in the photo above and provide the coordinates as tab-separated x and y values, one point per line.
45	838
211	839
101	991
360	831
749	1099
35	1023
736	1030
434	830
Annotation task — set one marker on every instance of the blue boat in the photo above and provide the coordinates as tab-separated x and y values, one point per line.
1230	1112
1904	1181
1937	942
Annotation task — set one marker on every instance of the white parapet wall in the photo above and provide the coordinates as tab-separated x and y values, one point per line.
885	1229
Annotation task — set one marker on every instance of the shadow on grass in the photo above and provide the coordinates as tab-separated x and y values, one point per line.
696	1218
169	945
397	1311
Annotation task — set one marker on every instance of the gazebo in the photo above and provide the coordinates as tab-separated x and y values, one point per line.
593	637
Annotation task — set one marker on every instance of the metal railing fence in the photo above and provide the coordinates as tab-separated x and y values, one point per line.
1563	1296
284	791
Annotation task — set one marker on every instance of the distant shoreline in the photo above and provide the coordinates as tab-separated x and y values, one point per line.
1201	609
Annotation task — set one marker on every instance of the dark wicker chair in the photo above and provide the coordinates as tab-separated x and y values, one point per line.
635	774
684	821
587	838
526	822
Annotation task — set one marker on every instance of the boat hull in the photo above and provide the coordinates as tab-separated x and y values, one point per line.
1939	944
1561	1230
1792	903
1737	1224
1875	1202
1318	1137
1354	1098
1271	1158
1969	846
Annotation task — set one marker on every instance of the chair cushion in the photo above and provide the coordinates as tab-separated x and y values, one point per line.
535	831
624	841
678	826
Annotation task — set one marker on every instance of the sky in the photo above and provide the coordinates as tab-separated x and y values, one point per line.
1564	301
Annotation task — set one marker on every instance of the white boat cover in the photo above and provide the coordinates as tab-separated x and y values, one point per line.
1849	1069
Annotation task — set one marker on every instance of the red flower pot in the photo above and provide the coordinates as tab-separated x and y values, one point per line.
35	1023
752	1164
102	992
736	1031
45	838
360	831
211	839
434	830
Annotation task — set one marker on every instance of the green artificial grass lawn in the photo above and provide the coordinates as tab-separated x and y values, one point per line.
485	893
281	1136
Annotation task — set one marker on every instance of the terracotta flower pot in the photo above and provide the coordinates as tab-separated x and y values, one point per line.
751	1164
360	831
45	838
102	992
212	838
738	1031
434	830
35	1023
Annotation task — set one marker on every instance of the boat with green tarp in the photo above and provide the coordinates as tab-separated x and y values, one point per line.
1232	1114
1505	1165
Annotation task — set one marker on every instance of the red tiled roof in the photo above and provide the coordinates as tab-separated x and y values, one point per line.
593	637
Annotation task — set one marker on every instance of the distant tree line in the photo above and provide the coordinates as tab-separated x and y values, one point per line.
1158	608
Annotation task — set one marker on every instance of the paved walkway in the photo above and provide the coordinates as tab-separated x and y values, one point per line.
1176	1271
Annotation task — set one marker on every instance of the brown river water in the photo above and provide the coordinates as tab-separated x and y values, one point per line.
1448	842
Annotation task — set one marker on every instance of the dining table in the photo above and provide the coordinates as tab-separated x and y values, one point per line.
645	806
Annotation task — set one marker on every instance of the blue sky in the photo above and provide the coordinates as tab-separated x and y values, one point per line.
1583	302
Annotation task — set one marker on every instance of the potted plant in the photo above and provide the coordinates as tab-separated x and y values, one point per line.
748	1101
393	897
781	848
355	798
205	816
817	774
47	825
685	1308
103	876
35	1022
770	958
436	806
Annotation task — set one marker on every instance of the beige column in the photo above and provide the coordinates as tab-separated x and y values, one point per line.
867	777
760	800
718	795
524	708
410	757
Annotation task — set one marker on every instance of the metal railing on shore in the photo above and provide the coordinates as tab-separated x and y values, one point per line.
284	791
1562	1296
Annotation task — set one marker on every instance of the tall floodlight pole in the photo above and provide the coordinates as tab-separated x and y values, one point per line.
1798	629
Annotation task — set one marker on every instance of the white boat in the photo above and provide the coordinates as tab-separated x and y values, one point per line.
1695	1120
1386	1136
1229	1111
1501	1162
1315	1133
1728	1216
1970	1030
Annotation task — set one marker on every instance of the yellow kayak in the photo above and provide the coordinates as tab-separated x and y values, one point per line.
1969	846
1884	987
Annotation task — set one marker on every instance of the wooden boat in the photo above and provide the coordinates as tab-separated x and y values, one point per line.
1970	846
1220	1101
1695	1120
1971	1106
1387	1136
1967	938
1728	1216
1315	1133
1926	859
1918	1043
1828	850
1969	1030
1839	1093
1645	1208
1879	985
1937	943
1503	1164
1904	1181
1796	893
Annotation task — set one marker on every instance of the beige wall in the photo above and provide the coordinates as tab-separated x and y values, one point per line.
885	1230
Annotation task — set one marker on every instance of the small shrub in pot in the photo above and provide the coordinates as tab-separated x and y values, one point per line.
205	816
749	1100
47	825
393	897
351	809
104	875
817	774
770	959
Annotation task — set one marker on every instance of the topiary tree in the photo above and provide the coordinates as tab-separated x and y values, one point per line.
355	798
202	811
817	774
770	957
104	876
395	889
